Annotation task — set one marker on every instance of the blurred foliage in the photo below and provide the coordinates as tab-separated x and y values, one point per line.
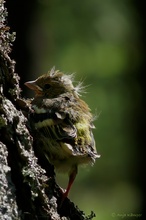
100	41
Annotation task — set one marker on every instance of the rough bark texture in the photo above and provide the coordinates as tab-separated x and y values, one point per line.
27	185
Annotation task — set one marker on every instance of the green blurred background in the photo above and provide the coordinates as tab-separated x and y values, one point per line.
102	42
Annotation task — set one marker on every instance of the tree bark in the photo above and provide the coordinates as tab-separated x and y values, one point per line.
27	182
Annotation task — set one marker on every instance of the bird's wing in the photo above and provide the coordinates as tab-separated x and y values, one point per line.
54	124
57	125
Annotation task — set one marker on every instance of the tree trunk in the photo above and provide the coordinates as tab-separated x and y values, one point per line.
27	182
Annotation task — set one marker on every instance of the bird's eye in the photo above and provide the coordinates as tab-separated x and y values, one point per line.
47	86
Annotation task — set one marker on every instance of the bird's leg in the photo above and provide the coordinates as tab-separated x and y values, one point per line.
72	176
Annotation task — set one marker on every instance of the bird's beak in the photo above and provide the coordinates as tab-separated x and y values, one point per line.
33	86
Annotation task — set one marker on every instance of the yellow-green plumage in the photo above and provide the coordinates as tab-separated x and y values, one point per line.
64	123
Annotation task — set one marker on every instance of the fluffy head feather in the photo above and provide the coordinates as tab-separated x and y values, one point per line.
54	83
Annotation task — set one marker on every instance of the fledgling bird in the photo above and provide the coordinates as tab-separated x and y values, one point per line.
64	123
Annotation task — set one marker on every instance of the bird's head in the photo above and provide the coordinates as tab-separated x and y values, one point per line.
52	84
